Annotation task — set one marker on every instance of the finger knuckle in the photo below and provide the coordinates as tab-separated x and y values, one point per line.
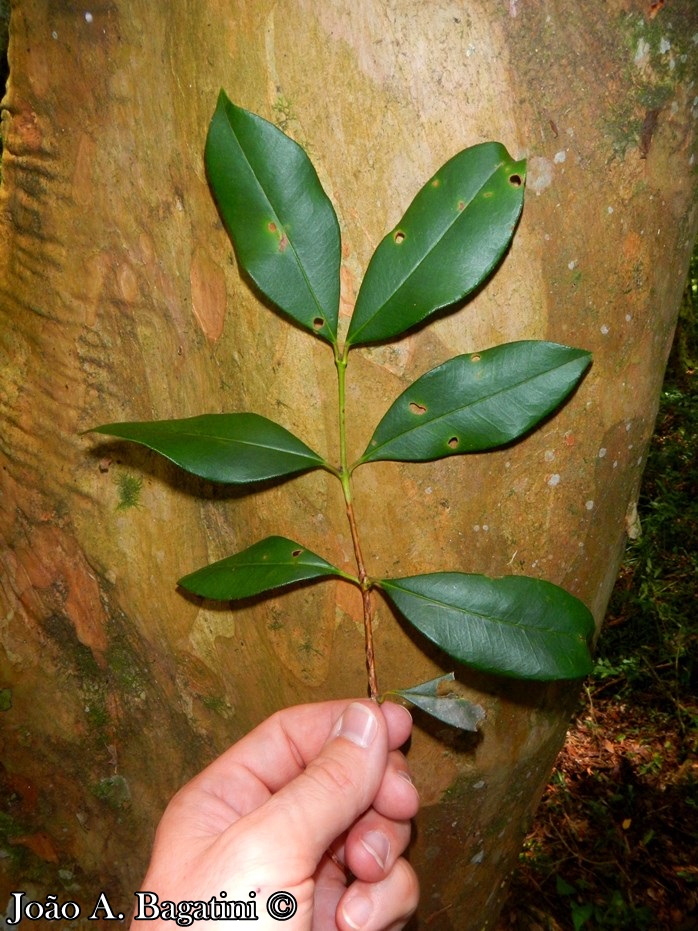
329	776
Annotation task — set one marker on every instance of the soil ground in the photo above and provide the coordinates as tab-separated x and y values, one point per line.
615	842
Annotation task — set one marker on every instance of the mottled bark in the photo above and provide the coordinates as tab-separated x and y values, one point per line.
120	299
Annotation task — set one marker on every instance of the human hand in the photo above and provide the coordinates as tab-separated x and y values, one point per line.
262	817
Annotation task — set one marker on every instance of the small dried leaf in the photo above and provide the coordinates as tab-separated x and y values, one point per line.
436	698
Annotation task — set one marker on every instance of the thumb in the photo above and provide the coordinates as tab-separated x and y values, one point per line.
334	789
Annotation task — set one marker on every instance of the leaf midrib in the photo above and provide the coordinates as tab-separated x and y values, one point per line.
479	614
229	441
276	564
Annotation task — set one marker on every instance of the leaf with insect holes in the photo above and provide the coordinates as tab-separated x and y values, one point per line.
438	700
450	239
270	564
281	222
512	626
226	448
477	401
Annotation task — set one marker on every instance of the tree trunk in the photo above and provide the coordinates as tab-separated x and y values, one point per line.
121	300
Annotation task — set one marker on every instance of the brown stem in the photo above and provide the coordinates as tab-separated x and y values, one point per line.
344	474
367	601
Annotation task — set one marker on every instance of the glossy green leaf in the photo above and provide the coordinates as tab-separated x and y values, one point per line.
438	700
281	222
513	626
451	237
272	563
227	448
478	401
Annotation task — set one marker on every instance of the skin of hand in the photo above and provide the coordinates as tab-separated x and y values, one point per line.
262	817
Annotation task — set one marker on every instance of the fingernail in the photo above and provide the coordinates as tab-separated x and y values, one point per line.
358	725
357	911
403	774
378	845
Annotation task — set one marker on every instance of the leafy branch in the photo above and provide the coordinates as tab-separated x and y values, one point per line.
451	238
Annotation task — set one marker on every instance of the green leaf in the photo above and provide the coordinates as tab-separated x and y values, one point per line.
451	237
281	222
513	626
562	887
478	401
581	913
272	563
227	448
436	698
